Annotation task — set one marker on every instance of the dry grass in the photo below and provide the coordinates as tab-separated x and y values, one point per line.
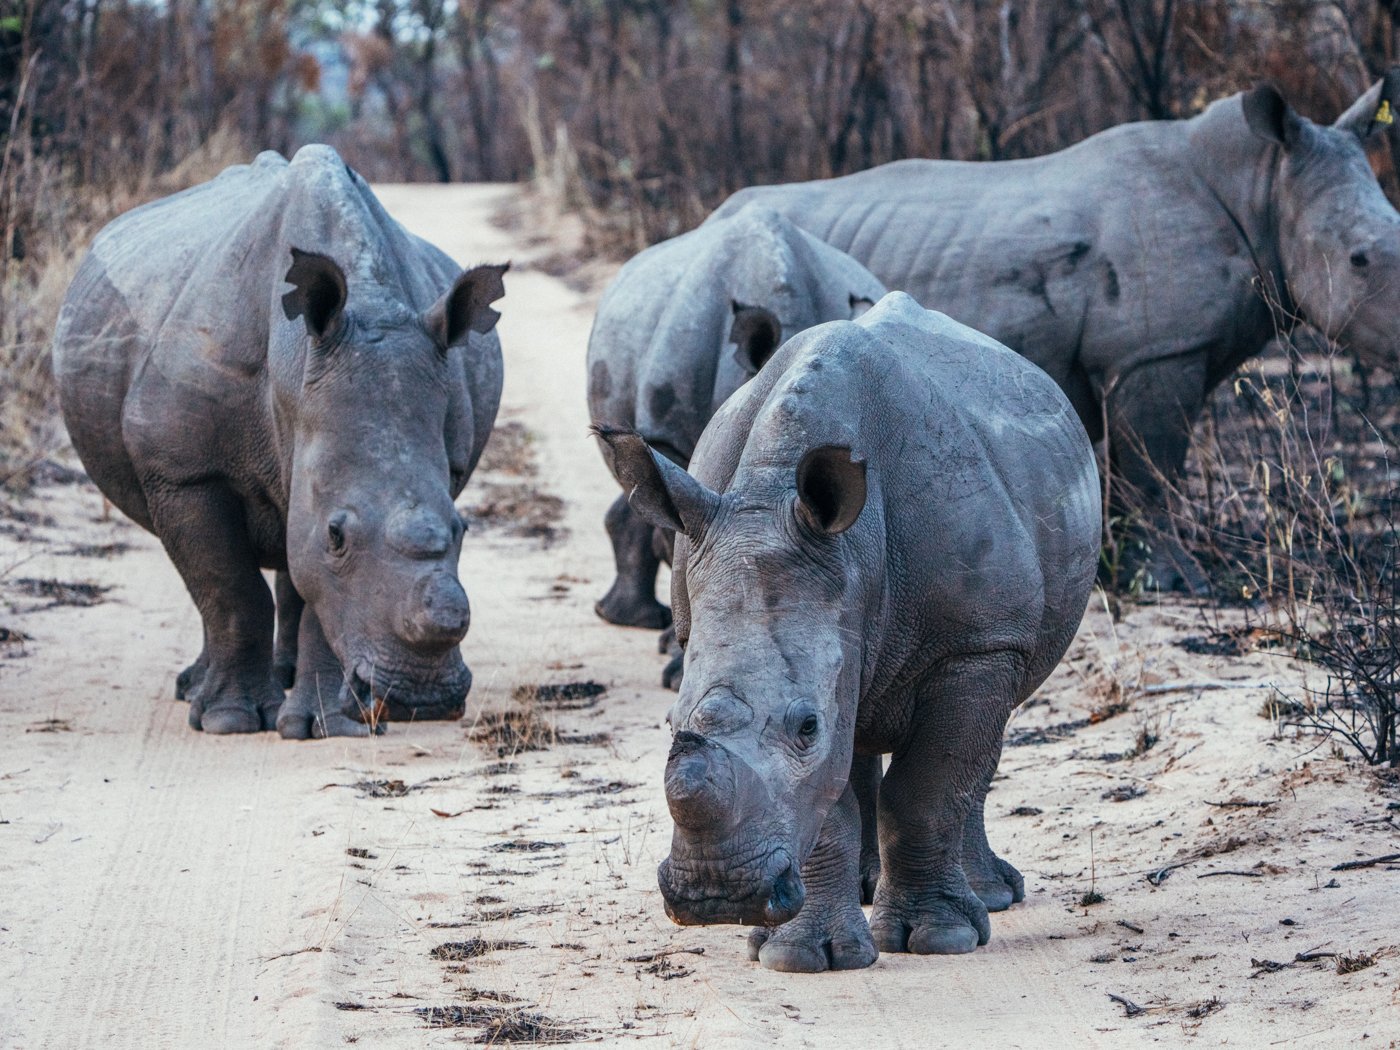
50	234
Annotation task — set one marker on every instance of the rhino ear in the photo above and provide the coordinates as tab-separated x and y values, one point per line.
860	304
755	334
662	493
318	292
1373	110
1270	117
830	488
466	306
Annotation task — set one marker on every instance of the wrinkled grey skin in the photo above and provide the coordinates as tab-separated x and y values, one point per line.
887	544
259	405
1138	266
681	328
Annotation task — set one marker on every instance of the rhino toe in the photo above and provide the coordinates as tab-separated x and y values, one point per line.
943	940
999	887
187	681
332	724
225	720
632	611
946	924
813	946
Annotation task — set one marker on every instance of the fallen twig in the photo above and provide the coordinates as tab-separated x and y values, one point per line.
1129	926
1243	804
1179	687
647	957
1245	874
1130	1008
1352	865
1160	875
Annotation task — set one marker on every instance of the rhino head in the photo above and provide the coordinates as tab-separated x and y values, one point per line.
382	440
1338	237
765	721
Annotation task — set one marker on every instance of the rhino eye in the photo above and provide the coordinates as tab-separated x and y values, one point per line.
1359	260
335	534
808	729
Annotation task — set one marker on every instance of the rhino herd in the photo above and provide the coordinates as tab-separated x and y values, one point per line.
883	524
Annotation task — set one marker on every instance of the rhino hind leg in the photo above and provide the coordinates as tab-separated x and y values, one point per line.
229	687
1152	411
284	650
866	772
314	709
997	884
925	903
830	932
631	601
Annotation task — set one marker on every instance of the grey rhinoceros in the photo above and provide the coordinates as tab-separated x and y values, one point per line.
886	543
1141	266
268	372
686	323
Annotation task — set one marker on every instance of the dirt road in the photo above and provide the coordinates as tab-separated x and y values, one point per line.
160	888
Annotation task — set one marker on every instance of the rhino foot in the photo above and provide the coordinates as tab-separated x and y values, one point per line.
812	943
673	674
998	885
284	673
297	724
632	610
314	710
223	708
675	668
869	876
187	681
946	924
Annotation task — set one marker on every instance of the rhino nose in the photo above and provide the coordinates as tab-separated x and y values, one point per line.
438	613
700	784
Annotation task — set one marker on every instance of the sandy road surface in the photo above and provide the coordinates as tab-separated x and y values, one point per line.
160	888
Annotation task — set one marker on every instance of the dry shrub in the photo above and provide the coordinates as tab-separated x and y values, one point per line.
1289	503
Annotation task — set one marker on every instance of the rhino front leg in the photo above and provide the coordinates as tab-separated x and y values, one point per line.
997	884
202	529
1152	411
284	652
316	706
830	932
631	601
924	902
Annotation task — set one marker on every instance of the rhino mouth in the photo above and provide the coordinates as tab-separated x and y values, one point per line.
770	897
372	695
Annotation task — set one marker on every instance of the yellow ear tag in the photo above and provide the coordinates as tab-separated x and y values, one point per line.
1384	114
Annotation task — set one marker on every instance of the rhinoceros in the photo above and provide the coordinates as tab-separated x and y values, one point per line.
687	322
1141	266
268	372
886	542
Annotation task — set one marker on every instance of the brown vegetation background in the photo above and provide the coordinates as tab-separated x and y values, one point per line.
641	115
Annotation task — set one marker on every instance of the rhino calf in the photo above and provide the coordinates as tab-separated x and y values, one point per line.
683	326
887	544
261	405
